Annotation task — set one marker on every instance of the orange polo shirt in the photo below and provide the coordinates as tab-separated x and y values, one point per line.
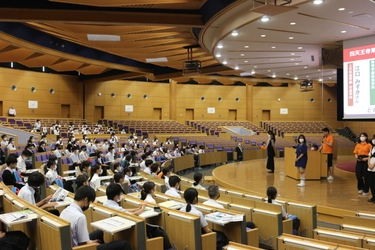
362	149
328	149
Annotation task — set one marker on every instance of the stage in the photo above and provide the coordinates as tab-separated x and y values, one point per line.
252	176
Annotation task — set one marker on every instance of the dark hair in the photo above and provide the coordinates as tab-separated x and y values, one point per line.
190	195
118	176
173	180
304	138
83	147
93	170
10	160
148	163
117	164
26	153
213	191
113	190
126	170
35	179
271	194
146	189
364	134
84	165
154	167
3	136
10	140
272	134
50	163
144	156
30	138
52	157
197	178
128	158
110	148
74	148
85	192
80	180
165	172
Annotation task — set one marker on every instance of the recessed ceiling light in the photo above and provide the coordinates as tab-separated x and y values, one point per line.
236	68
269	70
330	77
341	9
318	1
273	47
292	23
319	70
292	54
225	62
153	60
290	38
234	33
296	63
255	66
242	54
246	46
343	31
305	67
273	75
252	72
218	55
220	46
295	78
307	76
299	47
292	59
265	19
320	79
262	35
287	74
245	61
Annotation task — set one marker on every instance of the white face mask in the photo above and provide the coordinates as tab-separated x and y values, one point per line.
269	136
312	148
373	142
301	140
101	171
362	138
120	199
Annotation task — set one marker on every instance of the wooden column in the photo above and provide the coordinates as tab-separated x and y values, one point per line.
249	103
172	99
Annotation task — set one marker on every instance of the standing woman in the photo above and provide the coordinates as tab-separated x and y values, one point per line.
301	159
370	180
271	152
361	152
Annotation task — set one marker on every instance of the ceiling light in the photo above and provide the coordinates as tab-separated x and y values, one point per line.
269	70
290	38
297	63
320	79
255	66
242	54
318	1
319	70
265	19
103	38
273	47
330	77
220	46
236	68
307	76
245	61
295	78
291	59
234	33
273	75
293	54
343	31
299	47
252	72
218	55
225	62
246	46
287	74
305	67
292	23
262	35
153	60
341	9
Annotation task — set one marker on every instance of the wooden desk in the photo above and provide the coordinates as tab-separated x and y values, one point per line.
183	162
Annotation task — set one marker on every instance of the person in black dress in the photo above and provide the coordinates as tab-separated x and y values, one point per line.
271	152
301	159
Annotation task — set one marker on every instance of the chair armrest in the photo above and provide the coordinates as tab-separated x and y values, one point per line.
209	241
253	237
156	243
89	246
288	226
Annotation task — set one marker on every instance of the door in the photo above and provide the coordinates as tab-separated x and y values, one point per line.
266	115
1	108
157	114
232	115
65	111
189	114
98	113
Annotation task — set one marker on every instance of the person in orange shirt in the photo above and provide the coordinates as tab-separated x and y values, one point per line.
263	146
327	148
361	152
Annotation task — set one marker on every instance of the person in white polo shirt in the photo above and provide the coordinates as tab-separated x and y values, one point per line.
214	194
12	111
174	183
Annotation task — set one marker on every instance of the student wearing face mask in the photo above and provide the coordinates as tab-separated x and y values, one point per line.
51	174
21	160
301	159
361	152
94	179
11	143
174	183
327	149
78	222
271	152
83	155
4	141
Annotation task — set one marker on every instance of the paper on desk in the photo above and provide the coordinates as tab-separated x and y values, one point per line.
10	217
219	216
59	195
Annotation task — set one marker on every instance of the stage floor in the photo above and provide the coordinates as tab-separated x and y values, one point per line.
340	193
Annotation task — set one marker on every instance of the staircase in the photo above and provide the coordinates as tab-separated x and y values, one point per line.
347	132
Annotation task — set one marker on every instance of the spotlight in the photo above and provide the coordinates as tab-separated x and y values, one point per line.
318	2
234	33
265	19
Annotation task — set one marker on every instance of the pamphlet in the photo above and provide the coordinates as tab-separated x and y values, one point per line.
59	195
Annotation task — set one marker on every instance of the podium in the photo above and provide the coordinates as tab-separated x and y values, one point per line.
316	167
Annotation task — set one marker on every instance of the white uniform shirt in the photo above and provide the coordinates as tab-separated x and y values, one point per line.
114	205
196	212
11	147
166	181
27	193
199	186
173	192
12	111
150	199
4	143
110	156
51	176
213	203
83	156
78	223
74	157
147	170
283	213
371	159
21	165
95	181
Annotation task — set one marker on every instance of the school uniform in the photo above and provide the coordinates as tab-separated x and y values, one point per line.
12	112
83	156
150	199
95	181
370	176
213	203
166	181
27	194
283	212
78	224
74	157
147	170
199	186
9	179
114	205
11	147
173	192
21	164
110	156
42	149
51	176
4	143
57	153
196	212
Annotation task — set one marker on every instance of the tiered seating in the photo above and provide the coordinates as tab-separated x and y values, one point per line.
214	127
143	128
211	143
280	128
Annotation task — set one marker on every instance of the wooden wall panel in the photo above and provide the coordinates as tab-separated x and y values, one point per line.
67	91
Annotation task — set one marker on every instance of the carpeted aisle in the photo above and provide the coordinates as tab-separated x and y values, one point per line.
347	166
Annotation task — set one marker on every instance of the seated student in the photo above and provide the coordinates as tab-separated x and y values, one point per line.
11	143
58	152
191	198
34	181
31	142
148	189
147	169
51	174
104	166
117	168
94	179
74	157
21	160
81	181
8	174
155	169
119	180
14	240
111	155
174	183
126	162
198	181
142	164
42	147
114	196
4	141
84	168
83	155
214	194
78	222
